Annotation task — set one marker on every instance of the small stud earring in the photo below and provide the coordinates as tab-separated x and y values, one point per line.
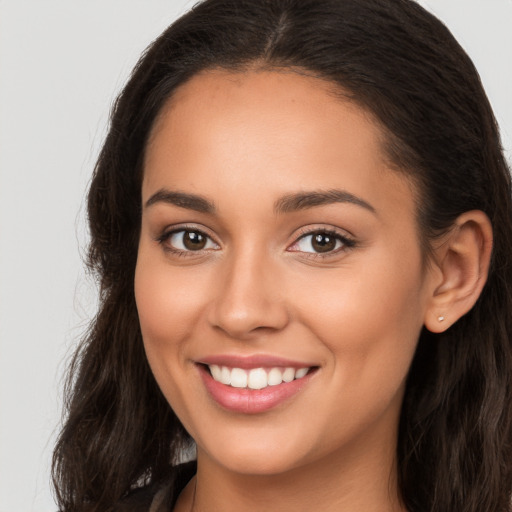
440	318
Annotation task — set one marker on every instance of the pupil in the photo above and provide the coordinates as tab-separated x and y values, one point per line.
193	240
323	242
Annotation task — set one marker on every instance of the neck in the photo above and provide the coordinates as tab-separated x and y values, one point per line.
339	482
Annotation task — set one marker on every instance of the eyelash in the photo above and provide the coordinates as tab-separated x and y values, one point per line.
164	238
346	242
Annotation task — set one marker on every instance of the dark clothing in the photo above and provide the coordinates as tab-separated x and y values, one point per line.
159	498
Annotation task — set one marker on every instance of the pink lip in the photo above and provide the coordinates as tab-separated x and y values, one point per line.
252	401
254	361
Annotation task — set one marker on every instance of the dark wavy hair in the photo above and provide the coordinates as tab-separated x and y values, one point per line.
401	64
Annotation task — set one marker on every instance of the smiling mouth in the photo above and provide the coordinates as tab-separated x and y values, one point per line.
253	385
256	378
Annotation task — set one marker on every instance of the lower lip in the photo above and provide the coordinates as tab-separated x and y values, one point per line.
251	401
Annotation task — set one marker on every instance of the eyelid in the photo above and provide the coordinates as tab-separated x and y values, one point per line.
347	240
169	231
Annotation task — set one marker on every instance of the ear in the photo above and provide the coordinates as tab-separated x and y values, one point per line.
461	265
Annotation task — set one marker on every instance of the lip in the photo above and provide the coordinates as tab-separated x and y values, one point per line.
253	361
252	401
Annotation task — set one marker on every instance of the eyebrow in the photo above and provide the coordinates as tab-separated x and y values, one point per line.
304	200
286	204
181	199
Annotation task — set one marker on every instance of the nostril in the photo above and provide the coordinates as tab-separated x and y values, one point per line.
247	302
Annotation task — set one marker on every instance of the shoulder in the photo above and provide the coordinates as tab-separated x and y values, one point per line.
139	500
158	497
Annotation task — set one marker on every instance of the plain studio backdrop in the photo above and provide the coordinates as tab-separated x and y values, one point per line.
61	65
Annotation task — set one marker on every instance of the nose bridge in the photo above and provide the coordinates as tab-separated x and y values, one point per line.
248	297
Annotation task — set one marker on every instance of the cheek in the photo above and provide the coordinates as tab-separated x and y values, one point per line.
369	318
381	288
168	305
167	301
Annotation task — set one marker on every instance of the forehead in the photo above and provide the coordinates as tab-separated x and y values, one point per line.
269	99
269	132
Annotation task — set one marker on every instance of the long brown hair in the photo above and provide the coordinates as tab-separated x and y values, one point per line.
400	63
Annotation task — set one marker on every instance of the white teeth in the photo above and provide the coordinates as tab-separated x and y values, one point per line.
225	376
238	378
301	372
216	372
256	378
275	377
289	374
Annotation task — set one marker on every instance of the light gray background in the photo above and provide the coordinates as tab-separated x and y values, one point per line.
61	64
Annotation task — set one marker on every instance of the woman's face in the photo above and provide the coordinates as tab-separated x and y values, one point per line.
279	280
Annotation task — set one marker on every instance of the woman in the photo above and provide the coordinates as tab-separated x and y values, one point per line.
301	220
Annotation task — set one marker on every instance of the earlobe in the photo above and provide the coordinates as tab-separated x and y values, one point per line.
463	259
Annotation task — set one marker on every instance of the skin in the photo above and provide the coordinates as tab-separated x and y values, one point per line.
243	142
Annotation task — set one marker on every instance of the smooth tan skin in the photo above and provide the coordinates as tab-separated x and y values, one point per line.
243	141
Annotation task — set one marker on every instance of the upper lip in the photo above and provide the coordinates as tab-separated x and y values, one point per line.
253	361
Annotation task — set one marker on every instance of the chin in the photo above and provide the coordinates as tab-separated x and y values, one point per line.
256	454
257	463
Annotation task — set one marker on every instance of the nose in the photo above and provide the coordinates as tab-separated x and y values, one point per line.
250	299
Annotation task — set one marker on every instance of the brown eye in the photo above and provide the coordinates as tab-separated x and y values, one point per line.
323	242
186	240
193	240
